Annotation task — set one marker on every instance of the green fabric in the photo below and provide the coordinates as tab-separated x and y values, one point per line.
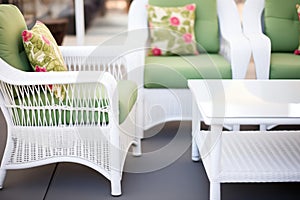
285	66
127	91
12	24
43	53
282	24
127	97
172	30
179	69
206	23
42	50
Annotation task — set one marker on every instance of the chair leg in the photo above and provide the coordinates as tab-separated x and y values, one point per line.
137	148
2	177
115	184
195	152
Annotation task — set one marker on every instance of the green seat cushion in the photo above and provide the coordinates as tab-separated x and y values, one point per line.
206	21
174	71
282	24
285	66
12	24
127	91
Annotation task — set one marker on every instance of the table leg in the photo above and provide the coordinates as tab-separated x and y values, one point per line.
195	151
2	177
262	127
215	191
236	127
216	145
196	125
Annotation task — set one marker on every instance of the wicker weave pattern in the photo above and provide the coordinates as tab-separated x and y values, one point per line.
115	66
34	144
254	156
36	105
80	125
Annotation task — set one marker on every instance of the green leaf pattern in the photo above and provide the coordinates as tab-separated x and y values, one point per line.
172	30
43	53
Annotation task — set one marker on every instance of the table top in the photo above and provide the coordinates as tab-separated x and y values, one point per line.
247	101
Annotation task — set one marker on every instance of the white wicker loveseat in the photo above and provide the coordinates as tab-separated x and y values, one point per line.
167	103
94	124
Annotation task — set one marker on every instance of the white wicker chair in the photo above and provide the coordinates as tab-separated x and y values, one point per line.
93	124
83	128
169	104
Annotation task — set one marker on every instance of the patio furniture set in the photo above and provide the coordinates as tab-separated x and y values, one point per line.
92	112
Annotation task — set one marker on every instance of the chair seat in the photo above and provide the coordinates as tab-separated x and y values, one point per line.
127	91
285	66
174	71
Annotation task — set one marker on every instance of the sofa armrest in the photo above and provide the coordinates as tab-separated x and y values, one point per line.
137	16
261	52
260	43
137	40
234	46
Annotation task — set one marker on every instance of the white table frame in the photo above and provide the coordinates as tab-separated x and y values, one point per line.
245	156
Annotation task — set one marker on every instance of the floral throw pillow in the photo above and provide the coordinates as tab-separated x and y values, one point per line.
297	51
172	30
43	53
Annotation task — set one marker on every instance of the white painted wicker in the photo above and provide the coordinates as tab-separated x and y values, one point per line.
162	105
81	127
246	156
255	156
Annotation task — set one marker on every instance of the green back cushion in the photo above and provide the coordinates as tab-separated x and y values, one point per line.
282	24
206	23
12	24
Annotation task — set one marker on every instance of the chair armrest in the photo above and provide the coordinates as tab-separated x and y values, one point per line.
137	40
260	43
261	52
25	94
234	46
13	76
76	50
137	16
97	58
237	51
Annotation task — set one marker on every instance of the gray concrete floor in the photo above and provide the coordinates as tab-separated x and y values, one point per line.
177	180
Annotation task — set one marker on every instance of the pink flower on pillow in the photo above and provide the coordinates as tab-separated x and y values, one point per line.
174	21
40	69
46	40
156	51
297	52
190	7
26	35
187	37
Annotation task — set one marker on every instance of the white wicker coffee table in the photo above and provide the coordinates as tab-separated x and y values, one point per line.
246	156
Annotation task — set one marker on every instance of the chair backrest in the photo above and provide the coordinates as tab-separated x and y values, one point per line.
277	19
12	24
206	22
281	24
